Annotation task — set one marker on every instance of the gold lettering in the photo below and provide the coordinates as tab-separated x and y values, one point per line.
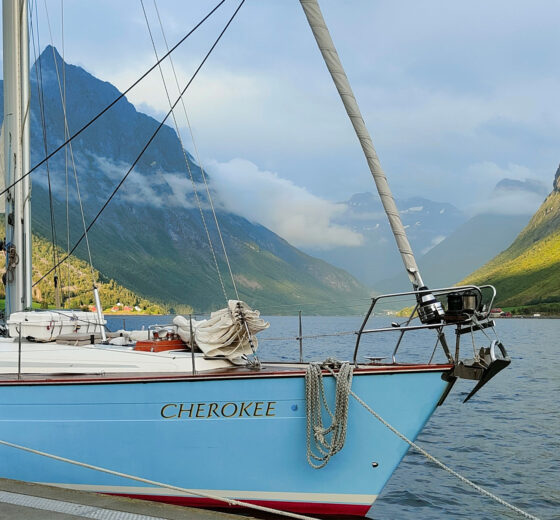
199	407
258	408
270	408
163	411
185	410
245	408
224	409
227	410
212	409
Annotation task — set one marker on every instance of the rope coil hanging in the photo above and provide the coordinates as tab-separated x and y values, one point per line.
327	441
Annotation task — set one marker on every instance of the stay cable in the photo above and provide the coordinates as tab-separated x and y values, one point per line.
146	146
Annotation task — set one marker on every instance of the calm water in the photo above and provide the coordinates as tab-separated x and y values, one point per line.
506	439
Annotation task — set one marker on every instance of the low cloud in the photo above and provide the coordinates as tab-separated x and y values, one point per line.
300	217
527	185
514	189
160	189
433	243
292	212
509	203
493	173
183	191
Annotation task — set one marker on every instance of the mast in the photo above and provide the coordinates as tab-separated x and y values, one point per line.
328	50
17	155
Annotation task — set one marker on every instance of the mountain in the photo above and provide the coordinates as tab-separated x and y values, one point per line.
528	271
76	283
527	186
471	245
76	280
151	238
426	222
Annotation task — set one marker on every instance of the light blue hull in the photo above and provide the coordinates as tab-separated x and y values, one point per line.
144	429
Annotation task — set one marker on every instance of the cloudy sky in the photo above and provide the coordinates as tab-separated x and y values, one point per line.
457	95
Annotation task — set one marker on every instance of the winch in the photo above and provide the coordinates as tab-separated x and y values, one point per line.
430	309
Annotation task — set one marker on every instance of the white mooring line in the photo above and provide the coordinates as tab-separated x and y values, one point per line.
194	492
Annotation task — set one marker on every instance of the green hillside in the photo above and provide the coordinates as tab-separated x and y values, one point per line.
528	272
76	280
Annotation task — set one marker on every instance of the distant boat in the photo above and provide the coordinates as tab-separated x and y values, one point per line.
218	422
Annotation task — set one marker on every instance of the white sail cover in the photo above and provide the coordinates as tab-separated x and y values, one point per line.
184	327
225	333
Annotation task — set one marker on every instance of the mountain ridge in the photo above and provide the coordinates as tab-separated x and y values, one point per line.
474	243
528	271
377	259
151	239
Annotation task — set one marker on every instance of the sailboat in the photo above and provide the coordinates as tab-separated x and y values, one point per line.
211	420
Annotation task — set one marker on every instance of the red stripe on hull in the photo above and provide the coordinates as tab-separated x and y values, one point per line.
315	508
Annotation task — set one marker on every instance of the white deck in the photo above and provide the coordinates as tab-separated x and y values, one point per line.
53	358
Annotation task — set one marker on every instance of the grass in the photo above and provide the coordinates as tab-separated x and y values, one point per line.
527	274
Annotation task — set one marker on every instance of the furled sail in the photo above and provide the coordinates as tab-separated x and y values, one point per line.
184	327
229	332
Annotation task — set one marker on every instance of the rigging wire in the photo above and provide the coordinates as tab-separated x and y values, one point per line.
197	156
121	182
110	105
199	204
71	149
41	101
66	148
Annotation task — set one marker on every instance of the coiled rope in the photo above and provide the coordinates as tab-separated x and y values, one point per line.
315	396
327	441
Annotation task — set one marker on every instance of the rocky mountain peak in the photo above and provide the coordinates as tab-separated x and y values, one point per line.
556	184
151	238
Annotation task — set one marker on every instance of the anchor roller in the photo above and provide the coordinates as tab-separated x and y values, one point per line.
486	364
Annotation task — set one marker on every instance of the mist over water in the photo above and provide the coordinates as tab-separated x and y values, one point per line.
506	438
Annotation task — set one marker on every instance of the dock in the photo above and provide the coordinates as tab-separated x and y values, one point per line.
28	501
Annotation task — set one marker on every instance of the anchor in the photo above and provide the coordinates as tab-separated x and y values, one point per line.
486	364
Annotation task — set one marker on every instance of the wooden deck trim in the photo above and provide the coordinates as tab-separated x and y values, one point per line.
229	373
